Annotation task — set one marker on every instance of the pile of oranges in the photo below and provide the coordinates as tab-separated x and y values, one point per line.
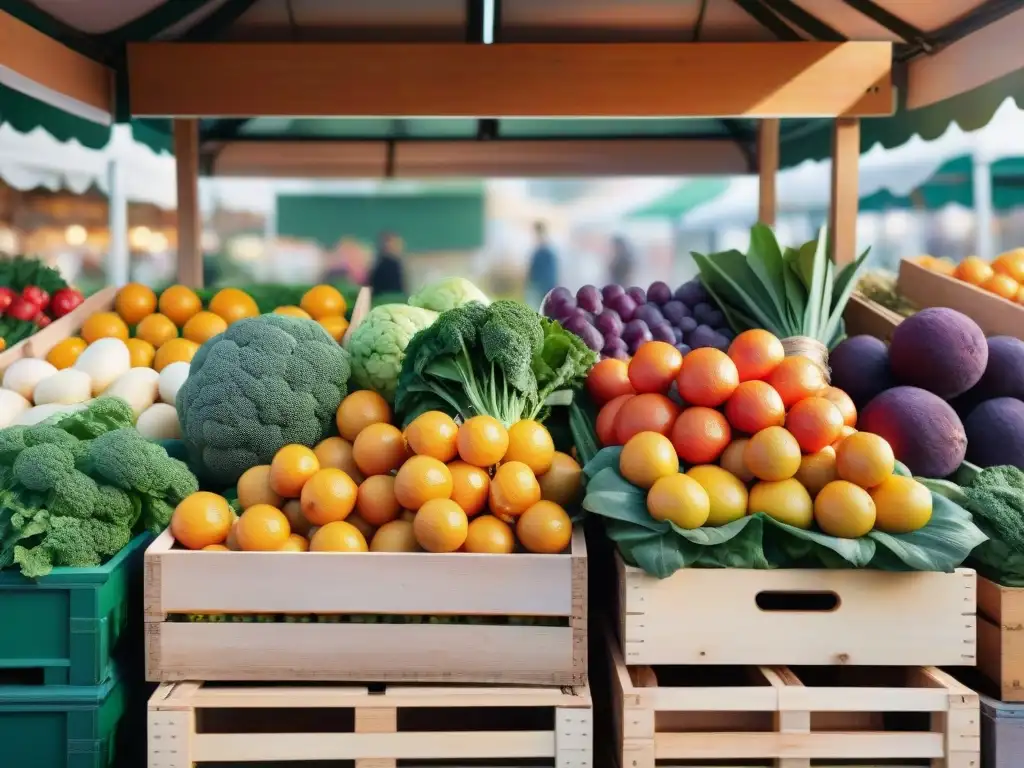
438	486
759	431
1004	276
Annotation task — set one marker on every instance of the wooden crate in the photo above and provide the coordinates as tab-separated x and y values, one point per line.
45	339
797	616
864	316
790	717
995	315
497	590
199	723
1001	638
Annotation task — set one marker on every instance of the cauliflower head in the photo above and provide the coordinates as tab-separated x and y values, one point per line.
378	345
265	382
447	294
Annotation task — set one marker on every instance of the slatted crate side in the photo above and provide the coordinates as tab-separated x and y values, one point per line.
197	722
491	586
923	617
1001	638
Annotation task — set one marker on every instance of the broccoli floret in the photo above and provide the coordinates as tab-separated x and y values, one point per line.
997	496
265	382
44	467
103	415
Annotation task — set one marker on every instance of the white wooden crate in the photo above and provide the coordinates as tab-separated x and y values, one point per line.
855	616
497	588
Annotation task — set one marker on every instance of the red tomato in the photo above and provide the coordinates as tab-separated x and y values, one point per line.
7	296
609	379
649	412
65	300
43	320
654	367
605	425
36	295
22	309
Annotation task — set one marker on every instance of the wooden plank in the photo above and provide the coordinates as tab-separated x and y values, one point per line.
362	307
823	746
190	220
768	169
50	71
843	206
1001	638
512	80
868	317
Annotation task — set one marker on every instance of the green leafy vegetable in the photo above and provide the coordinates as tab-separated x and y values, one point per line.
378	345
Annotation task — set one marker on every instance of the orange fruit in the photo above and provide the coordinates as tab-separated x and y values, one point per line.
323	300
65	353
530	443
649	412
421	479
376	502
482	441
973	270
785	500
844	403
328	495
844	433
338	536
902	505
140	353
337	452
175	351
379	449
944	266
1011	263
755	405
470	487
815	423
104	325
563	482
335	325
231	542
203	326
756	353
201	519
293	511
157	329
727	494
608	379
357	522
134	301
708	377
1001	285
441	526
292	311
817	470
179	303
845	510
605	424
489	535
865	459
359	410
700	434
216	548
731	460
395	536
654	367
797	378
295	543
513	490
1020	295
772	454
647	457
290	468
233	305
433	434
262	528
680	499
254	488
544	528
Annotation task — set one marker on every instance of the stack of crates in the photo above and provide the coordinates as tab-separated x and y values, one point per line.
70	669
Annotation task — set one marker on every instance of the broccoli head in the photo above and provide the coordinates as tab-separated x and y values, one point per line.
264	383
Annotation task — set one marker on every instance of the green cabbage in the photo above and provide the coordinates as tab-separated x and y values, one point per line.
447	294
377	345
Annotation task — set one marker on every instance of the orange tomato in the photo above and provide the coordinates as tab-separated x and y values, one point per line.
605	424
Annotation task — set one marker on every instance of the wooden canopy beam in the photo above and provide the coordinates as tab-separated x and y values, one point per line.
768	170
511	80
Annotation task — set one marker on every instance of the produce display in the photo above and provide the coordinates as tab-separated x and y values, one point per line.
880	286
1003	276
32	295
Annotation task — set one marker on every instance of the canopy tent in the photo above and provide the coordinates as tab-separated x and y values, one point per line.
953	184
681	200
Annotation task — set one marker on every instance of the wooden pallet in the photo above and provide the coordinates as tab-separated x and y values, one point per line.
864	316
1001	638
785	717
797	616
499	590
199	722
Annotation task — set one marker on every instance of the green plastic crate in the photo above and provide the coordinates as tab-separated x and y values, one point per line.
60	727
67	624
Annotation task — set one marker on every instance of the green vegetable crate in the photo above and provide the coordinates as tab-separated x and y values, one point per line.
62	628
69	727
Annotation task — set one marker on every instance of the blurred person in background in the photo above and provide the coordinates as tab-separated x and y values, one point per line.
623	262
543	273
388	273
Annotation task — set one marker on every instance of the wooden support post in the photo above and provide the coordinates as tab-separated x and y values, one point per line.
843	213
190	220
768	169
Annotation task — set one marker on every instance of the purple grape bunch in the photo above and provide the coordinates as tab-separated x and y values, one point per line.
615	320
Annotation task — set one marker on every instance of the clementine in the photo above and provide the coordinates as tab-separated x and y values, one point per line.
262	528
254	488
203	326
65	353
201	519
815	422
376	502
295	543
470	487
134	301
700	435
179	303
649	412
708	377
489	535
395	536
339	536
433	434
772	454
328	495
756	353
140	353
755	405
290	468
817	470
513	490
289	310
359	410
844	403
973	270
563	482
544	528
233	305
796	378
647	457
174	351
379	449
103	325
1001	285
322	301
531	443
865	459
441	525
421	479
654	367
157	329
731	460
482	441
337	452
609	379
605	424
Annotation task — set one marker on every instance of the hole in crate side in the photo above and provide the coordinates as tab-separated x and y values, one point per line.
815	602
275	720
281	764
426	719
518	762
24	676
